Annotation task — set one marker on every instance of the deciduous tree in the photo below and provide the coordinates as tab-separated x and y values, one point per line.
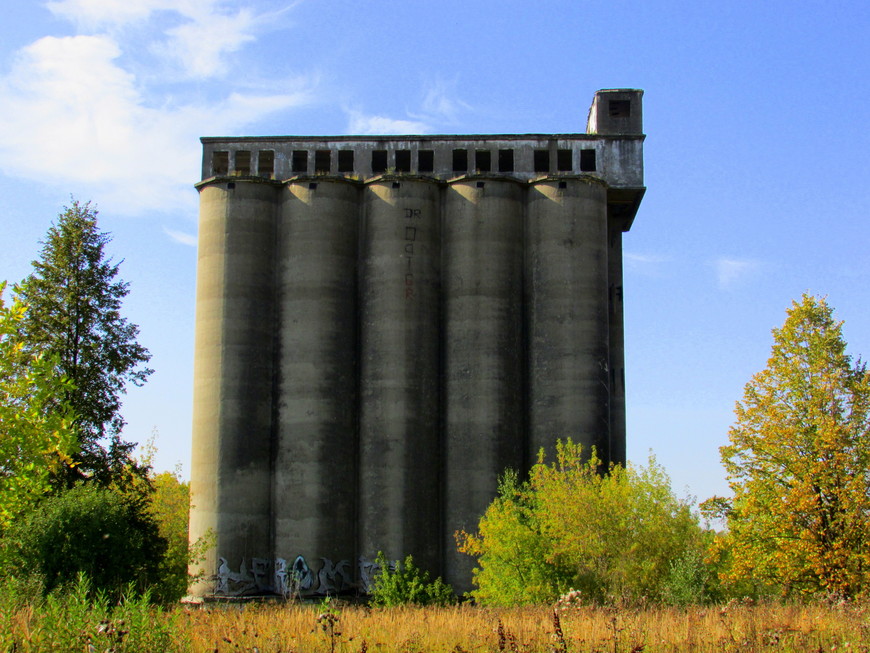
74	314
35	427
798	463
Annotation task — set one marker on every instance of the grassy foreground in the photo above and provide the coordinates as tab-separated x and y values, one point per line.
75	625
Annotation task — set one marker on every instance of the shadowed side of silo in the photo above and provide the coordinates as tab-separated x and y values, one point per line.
230	475
616	341
399	371
483	362
316	397
567	294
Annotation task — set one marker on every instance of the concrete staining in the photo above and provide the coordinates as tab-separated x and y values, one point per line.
385	324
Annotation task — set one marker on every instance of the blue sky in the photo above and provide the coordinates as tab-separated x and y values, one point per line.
758	134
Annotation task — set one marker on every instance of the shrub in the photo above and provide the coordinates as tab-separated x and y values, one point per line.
107	536
406	584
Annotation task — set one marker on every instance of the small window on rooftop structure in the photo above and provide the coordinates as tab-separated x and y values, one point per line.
300	161
243	162
403	160
505	160
619	108
345	160
563	161
483	161
425	161
460	160
322	162
379	161
542	161
266	163
587	160
220	163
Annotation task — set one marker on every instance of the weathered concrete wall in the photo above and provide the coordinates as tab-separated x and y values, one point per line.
400	261
232	422
483	336
315	449
567	290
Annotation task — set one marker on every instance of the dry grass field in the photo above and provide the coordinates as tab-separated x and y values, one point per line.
735	627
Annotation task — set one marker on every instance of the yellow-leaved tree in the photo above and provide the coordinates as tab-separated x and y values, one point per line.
798	464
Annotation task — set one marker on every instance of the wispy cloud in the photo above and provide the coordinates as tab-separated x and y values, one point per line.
74	110
732	272
646	264
361	123
181	237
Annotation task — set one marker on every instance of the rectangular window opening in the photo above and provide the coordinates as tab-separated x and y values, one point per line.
243	162
483	161
587	160
460	160
619	108
505	160
563	161
220	163
266	163
345	160
403	160
426	161
542	160
379	161
300	161
322	162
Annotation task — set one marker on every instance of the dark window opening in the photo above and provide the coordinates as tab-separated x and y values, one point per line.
300	161
563	185
379	161
480	184
396	184
220	163
483	160
345	160
266	163
460	160
542	161
231	185
312	185
426	161
505	160
587	160
243	162
403	160
563	161
322	162
619	108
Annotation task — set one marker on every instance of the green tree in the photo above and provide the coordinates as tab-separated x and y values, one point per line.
614	536
74	313
407	584
35	430
798	463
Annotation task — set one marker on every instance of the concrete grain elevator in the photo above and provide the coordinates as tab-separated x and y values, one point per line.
385	324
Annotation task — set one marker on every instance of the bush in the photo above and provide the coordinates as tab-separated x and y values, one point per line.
406	584
109	537
613	537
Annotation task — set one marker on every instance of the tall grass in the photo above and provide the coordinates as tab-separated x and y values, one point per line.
70	621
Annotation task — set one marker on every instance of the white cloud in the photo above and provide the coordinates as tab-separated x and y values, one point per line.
441	103
731	272
92	14
650	259
70	112
200	45
360	123
181	237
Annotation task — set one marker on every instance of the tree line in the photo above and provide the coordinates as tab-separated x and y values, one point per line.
74	498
